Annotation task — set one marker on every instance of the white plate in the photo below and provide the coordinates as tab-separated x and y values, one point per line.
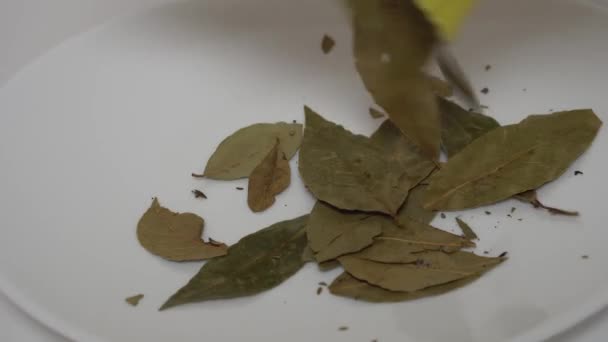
97	126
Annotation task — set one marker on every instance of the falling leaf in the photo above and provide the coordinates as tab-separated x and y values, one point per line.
134	300
392	42
376	114
412	208
327	44
437	268
461	127
258	262
350	171
174	236
468	232
332	232
268	179
240	153
402	243
346	285
441	87
512	159
532	198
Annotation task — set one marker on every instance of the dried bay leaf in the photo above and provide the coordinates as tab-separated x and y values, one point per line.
461	127
175	236
433	268
402	243
392	42
346	285
512	159
271	177
258	262
468	232
402	152
413	209
376	114
350	171
440	87
332	232
240	153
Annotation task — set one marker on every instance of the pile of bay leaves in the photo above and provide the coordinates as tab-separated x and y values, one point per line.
376	195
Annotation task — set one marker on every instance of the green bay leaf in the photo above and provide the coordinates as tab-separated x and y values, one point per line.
392	42
240	153
258	262
431	269
350	171
460	127
512	159
346	285
332	232
175	236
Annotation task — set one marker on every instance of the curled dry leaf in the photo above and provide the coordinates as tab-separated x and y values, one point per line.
175	236
350	171
512	159
240	153
431	269
392	42
258	262
271	177
332	232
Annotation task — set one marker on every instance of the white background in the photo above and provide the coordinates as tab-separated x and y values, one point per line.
30	27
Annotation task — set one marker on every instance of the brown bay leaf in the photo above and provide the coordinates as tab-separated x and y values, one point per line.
468	232
440	87
271	177
258	262
392	42
240	153
402	243
332	232
175	236
346	285
350	171
431	269
512	159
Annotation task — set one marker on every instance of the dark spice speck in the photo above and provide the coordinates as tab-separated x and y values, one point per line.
503	254
240	188
442	215
199	194
485	90
577	172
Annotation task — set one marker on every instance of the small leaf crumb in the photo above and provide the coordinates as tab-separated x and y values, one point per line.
488	67
585	257
134	300
503	254
327	44
513	210
488	212
442	215
343	328
485	90
322	283
319	290
199	194
240	188
577	172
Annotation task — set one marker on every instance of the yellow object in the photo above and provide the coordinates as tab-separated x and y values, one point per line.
446	15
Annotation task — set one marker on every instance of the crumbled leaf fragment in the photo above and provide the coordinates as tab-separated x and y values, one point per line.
468	232
343	328
585	257
240	153
199	194
512	159
327	44
485	90
319	290
271	177
442	215
175	236
488	67
503	254
134	300
322	283
250	267
577	172
240	188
